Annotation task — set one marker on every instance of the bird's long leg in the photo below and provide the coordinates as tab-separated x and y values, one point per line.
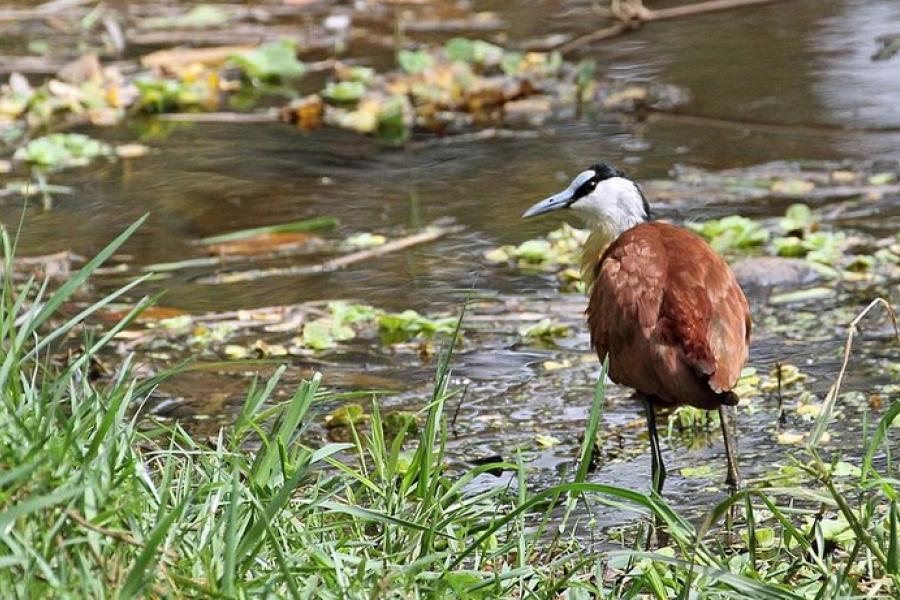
658	476
734	473
657	467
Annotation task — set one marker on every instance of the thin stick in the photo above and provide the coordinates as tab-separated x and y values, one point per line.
220	117
429	235
700	8
30	64
44	11
835	391
121	536
782	417
594	36
634	14
655	115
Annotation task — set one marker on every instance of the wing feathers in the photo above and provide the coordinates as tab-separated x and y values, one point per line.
670	313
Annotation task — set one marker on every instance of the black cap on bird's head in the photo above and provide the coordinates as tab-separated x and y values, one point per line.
599	191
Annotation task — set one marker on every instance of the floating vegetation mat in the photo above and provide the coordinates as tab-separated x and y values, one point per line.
461	85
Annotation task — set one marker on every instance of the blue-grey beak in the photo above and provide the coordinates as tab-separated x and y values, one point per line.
554	202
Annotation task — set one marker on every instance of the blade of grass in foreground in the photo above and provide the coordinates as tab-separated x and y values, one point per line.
585	456
138	575
231	526
35	503
60	296
590	434
878	438
421	470
679	528
77	280
751	588
290	419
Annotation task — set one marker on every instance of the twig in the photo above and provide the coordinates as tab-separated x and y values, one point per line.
594	36
52	266
115	534
633	14
220	117
237	35
429	235
462	399
852	330
478	136
43	11
835	390
700	8
62	256
782	417
30	64
654	115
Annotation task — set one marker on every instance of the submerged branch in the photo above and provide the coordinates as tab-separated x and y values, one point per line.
664	116
48	10
220	117
632	14
430	234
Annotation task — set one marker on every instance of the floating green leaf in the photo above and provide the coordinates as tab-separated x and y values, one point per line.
392	121
534	251
798	217
400	420
63	150
702	471
764	537
807	295
790	246
365	240
344	416
414	61
409	324
271	62
161	95
203	16
359	73
547	441
344	91
479	52
882	178
732	233
545	329
344	313
324	333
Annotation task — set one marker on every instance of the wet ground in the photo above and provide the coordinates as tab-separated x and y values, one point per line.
788	81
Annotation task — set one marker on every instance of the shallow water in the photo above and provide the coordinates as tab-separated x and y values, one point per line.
788	81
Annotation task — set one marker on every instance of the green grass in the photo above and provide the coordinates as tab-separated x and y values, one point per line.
95	503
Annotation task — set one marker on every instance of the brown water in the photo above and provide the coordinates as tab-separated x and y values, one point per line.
792	80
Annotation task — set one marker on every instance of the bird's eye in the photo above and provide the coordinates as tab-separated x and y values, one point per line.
585	188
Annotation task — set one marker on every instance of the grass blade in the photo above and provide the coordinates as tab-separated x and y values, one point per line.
138	575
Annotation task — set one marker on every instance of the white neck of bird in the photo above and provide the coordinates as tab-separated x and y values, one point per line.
615	206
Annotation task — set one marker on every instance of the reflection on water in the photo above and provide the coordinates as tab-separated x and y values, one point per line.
852	88
785	65
792	63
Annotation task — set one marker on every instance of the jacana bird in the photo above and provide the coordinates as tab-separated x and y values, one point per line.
662	304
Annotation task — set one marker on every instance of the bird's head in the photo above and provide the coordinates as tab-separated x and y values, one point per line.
602	196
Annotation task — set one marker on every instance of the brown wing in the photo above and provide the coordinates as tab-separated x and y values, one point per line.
670	313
